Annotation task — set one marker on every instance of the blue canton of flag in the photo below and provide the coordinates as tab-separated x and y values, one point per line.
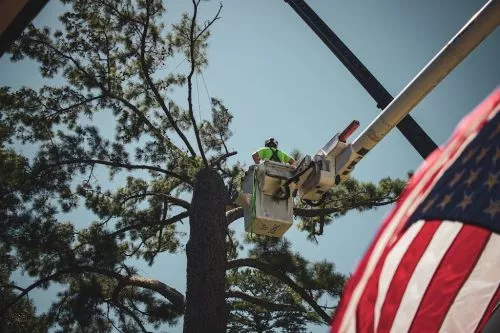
468	191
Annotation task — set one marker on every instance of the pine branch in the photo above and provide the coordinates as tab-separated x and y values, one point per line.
71	107
192	41
209	23
237	213
270	306
11	286
122	165
234	214
138	226
175	201
283	277
131	314
304	212
110	94
175	297
152	86
221	158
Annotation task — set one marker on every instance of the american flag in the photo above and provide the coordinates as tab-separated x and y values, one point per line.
434	265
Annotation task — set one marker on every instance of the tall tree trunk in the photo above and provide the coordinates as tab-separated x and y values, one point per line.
206	309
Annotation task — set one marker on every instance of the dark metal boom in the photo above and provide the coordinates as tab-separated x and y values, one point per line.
408	126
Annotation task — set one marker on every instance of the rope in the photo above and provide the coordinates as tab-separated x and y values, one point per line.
198	93
206	89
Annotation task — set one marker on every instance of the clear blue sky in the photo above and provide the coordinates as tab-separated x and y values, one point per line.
278	79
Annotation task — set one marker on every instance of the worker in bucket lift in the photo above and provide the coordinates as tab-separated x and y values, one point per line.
271	153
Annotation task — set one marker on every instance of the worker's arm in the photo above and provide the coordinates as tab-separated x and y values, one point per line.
256	157
288	159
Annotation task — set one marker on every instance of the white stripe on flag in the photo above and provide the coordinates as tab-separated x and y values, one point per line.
464	316
391	264
423	274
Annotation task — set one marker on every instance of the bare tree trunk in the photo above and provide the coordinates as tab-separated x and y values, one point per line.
206	309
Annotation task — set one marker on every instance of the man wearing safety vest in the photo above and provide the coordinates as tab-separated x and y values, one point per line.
271	153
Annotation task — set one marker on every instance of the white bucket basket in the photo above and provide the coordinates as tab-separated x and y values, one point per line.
265	214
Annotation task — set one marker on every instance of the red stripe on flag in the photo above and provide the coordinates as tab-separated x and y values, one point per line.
448	279
489	311
354	279
403	274
365	312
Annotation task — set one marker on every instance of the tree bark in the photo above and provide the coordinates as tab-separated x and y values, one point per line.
206	309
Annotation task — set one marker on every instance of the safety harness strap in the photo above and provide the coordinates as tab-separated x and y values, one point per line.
274	156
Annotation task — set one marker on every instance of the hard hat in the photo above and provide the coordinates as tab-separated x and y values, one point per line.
271	143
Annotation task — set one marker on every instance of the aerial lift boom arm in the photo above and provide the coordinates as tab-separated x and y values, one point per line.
268	212
337	159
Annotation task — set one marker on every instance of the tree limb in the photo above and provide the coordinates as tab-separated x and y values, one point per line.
11	286
234	214
168	198
175	297
262	303
130	313
209	23
137	226
109	94
304	212
69	108
123	165
222	158
283	277
192	41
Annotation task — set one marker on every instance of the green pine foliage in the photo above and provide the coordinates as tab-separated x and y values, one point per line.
134	176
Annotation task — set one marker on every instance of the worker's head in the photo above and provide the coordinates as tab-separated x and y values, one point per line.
271	143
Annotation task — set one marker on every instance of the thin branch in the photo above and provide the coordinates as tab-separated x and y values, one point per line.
137	226
270	306
209	23
141	115
122	165
112	322
192	42
283	277
109	94
131	313
304	212
237	213
134	251
69	108
152	86
54	317
175	201
118	13
321	226
90	176
223	143
11	286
